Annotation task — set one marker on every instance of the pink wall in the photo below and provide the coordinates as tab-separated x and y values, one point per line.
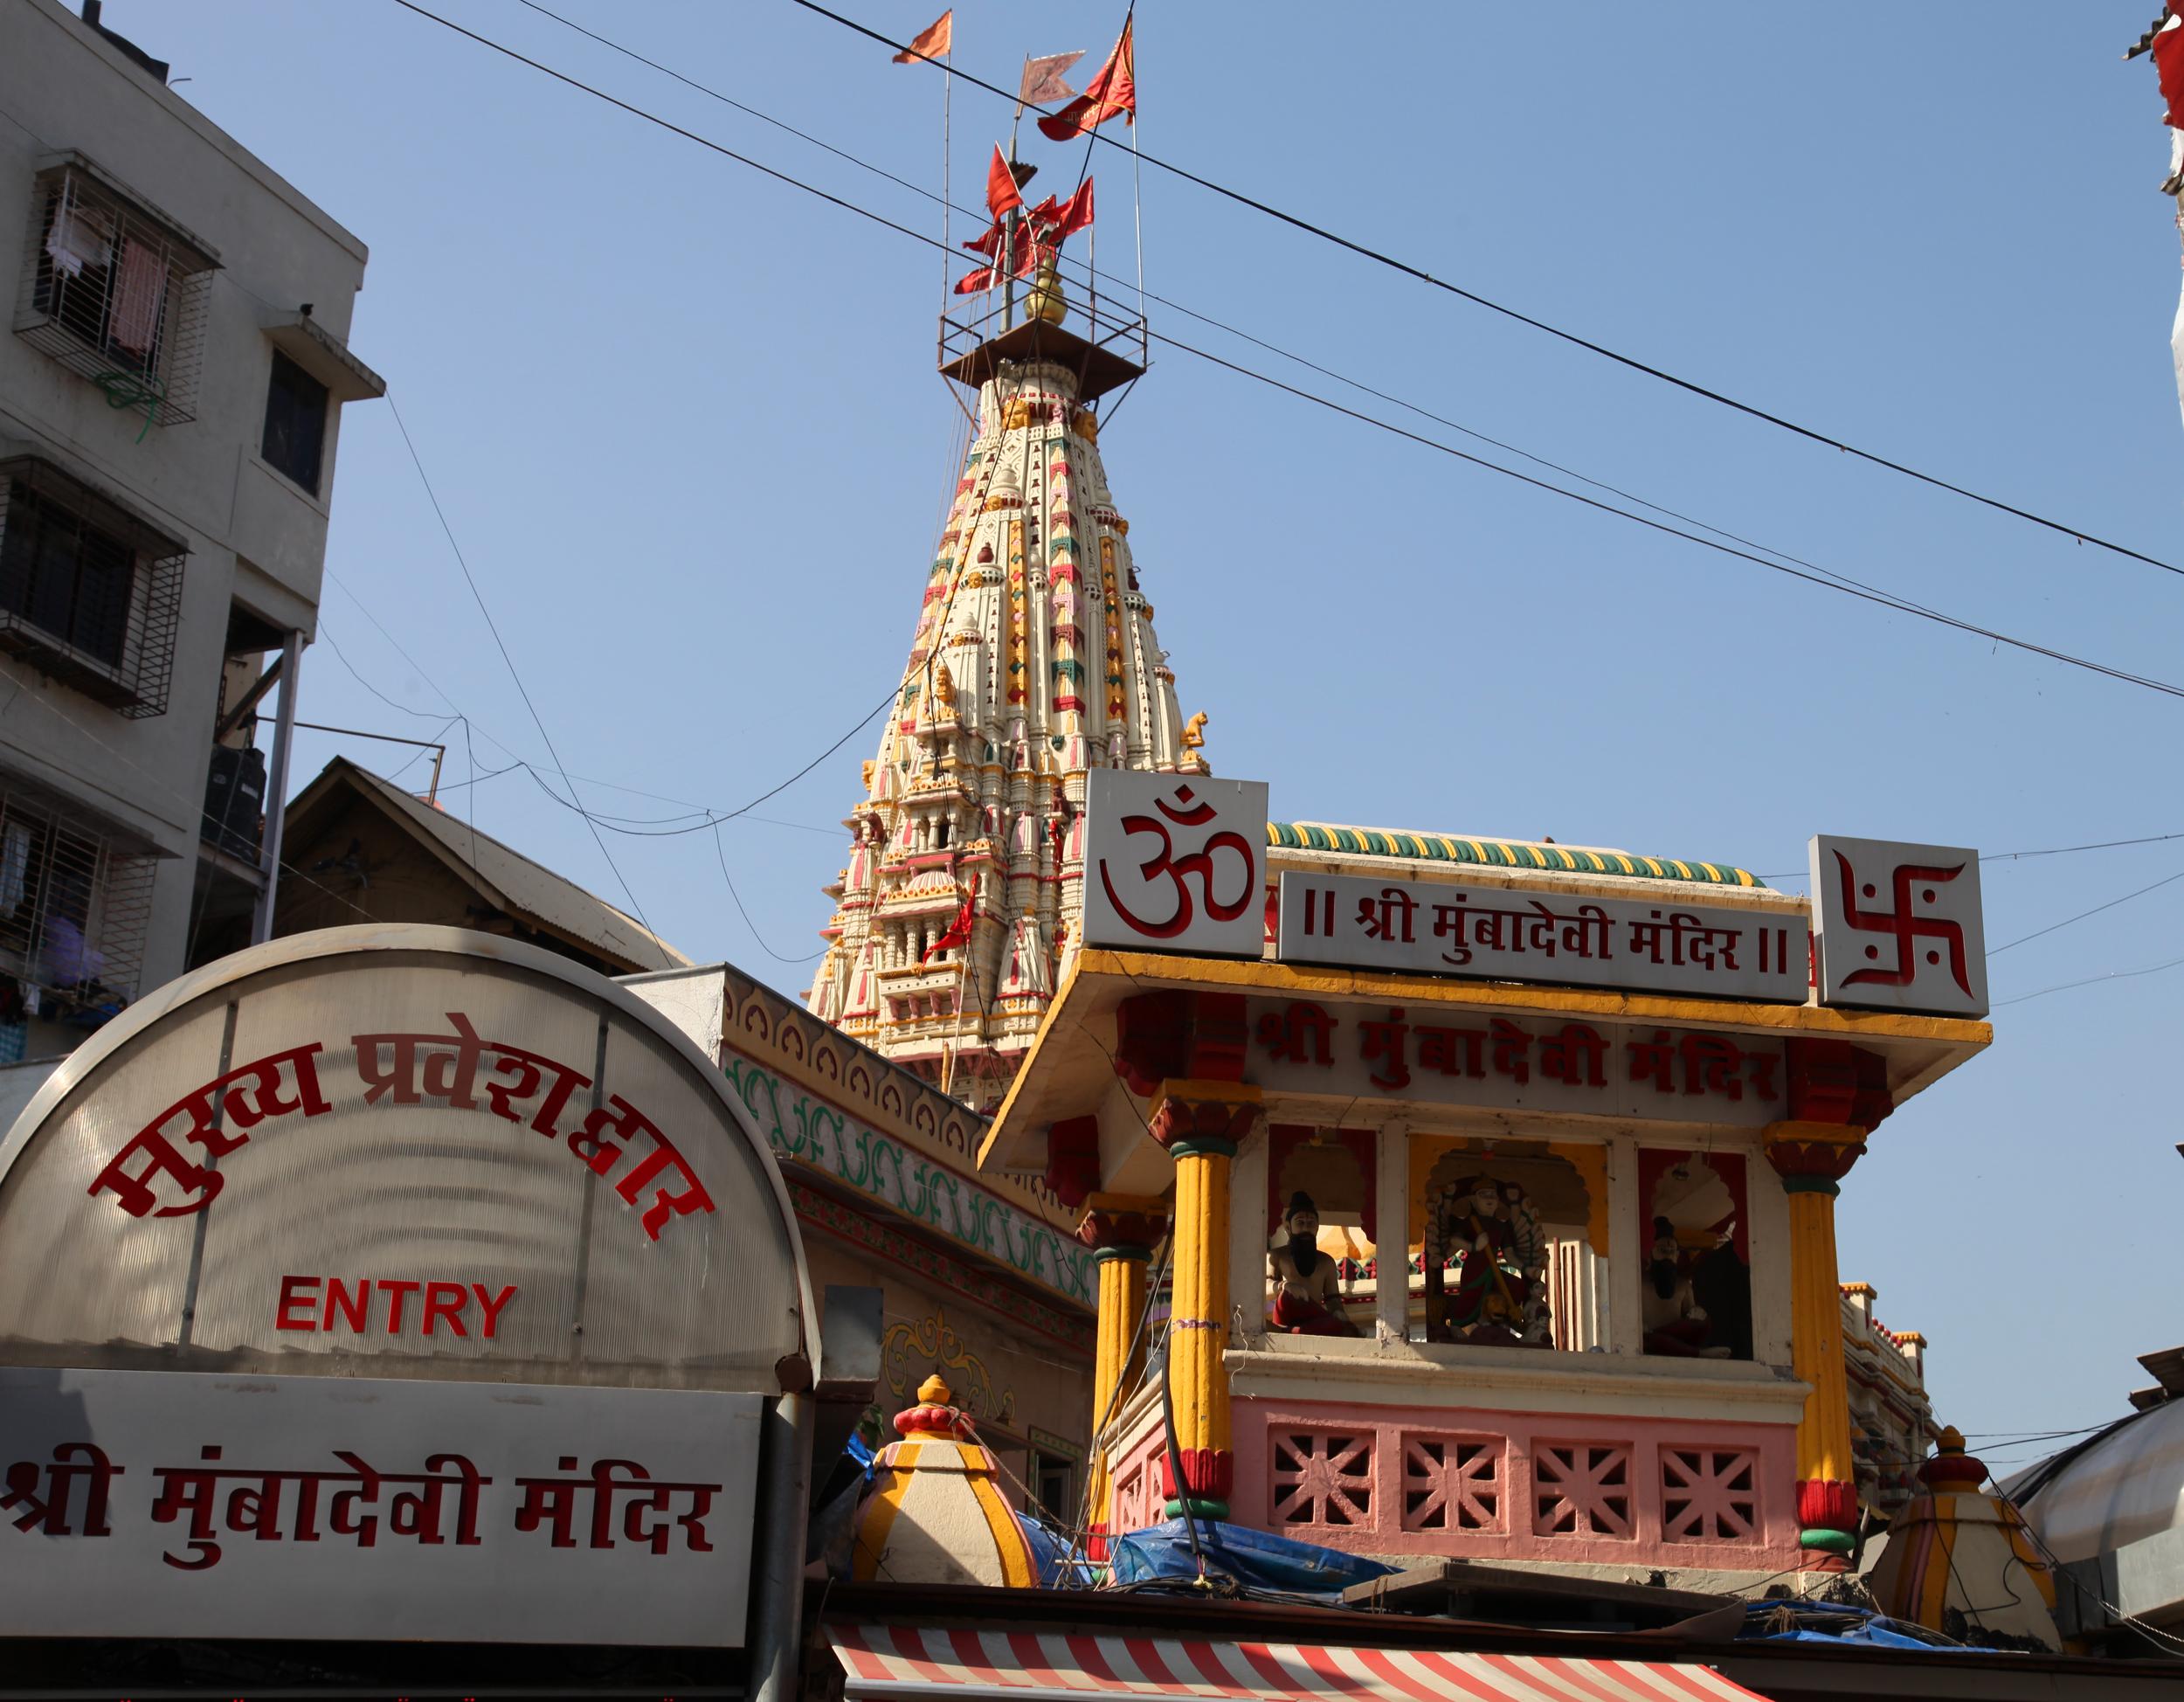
1526	1486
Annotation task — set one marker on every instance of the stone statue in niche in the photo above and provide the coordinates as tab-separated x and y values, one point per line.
1307	1298
1484	1234
1676	1325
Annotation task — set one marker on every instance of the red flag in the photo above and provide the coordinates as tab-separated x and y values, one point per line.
959	929
1002	195
1114	90
934	43
975	283
1074	214
2168	64
1024	259
990	243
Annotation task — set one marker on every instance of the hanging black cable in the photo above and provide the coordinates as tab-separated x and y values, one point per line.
1884	598
1378	257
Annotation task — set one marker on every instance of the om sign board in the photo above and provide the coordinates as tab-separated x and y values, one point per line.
1175	862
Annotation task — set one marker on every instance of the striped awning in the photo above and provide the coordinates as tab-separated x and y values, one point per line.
955	1661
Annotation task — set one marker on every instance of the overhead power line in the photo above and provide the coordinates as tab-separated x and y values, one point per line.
2021	856
1380	258
1094	276
1886	599
500	644
2039	933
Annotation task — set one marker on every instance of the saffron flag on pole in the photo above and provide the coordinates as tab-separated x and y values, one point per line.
935	41
1113	91
1002	197
1043	82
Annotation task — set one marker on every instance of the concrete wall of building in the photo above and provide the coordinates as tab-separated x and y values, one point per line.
255	539
1024	1393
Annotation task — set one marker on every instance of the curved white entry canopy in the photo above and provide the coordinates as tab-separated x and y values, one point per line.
400	1152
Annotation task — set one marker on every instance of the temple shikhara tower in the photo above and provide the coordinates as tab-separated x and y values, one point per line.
1034	660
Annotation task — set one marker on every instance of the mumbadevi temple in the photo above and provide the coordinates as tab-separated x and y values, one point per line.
1494	1194
1462	1209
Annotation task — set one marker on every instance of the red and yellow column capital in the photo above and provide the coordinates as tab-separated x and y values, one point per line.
1201	1122
1811	1158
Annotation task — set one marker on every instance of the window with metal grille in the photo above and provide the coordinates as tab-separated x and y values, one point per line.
295	442
114	293
88	592
74	904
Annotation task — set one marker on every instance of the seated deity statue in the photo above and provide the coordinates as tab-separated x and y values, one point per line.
1488	1302
1676	1325
1307	1294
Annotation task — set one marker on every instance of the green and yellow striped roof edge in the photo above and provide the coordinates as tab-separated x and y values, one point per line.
1497	853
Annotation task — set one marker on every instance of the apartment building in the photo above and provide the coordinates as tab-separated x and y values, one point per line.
172	371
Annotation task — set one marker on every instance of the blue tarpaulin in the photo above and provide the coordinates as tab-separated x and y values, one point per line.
1829	1621
1252	1558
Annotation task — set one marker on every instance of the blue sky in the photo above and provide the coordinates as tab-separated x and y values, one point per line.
684	422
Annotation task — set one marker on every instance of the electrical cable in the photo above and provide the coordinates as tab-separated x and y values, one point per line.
1094	276
2021	856
2091	981
2041	933
537	721
1425	277
740	910
1890	600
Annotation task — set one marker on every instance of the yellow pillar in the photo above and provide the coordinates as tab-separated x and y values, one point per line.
1122	1242
1811	1158
1200	1124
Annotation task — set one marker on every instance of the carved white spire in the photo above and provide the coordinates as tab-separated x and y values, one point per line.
1035	658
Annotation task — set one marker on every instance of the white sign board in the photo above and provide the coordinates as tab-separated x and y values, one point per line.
1175	862
1899	926
1358	1054
405	1151
1497	934
172	1504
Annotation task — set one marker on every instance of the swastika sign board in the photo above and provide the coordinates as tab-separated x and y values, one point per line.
1175	862
154	1503
1898	927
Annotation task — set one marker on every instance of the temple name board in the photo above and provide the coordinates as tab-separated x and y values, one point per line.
1445	1057
1493	933
155	1504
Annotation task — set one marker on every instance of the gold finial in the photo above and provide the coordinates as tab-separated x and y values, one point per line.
1045	301
932	1391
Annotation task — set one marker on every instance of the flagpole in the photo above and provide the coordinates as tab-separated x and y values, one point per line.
1137	219
947	106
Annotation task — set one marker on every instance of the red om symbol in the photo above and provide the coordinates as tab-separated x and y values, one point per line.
1178	869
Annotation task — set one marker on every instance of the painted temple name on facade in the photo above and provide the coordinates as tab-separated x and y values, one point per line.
402	1069
1428	928
799	1126
430	1507
1506	1064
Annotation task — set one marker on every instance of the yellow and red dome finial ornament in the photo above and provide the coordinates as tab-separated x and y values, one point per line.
1962	1562
936	1514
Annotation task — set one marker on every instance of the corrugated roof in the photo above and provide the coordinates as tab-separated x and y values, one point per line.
1498	853
516	884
